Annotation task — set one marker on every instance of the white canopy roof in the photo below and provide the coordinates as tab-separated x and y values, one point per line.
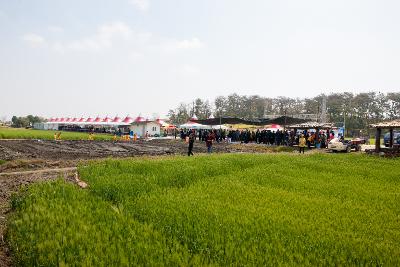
194	125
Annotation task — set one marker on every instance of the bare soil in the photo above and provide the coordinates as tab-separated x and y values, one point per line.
72	150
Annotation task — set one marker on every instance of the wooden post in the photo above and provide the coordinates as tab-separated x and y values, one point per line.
378	140
391	138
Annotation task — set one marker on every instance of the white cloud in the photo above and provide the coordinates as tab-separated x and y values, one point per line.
103	39
194	43
142	5
118	35
34	40
173	46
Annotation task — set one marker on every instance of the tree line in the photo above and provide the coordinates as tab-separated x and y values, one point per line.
356	110
23	122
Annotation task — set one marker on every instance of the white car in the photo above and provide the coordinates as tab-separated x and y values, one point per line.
337	144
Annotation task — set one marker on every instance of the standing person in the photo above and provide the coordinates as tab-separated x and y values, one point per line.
309	140
209	141
302	143
192	137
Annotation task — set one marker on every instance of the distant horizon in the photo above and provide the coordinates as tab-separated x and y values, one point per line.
74	58
161	116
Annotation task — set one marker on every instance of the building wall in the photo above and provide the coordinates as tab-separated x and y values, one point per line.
51	126
153	128
140	129
38	126
46	126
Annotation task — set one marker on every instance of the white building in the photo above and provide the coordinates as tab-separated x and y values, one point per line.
140	126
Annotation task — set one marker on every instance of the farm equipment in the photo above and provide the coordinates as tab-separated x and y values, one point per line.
357	142
337	144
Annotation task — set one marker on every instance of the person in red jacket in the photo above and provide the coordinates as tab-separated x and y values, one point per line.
209	141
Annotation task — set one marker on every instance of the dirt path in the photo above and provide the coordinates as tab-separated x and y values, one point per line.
24	173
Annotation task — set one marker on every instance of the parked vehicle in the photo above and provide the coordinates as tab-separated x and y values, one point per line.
396	138
357	142
337	144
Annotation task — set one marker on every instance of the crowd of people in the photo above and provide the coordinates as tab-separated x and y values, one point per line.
301	139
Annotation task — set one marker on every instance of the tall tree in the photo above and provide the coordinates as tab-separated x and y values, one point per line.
393	101
220	104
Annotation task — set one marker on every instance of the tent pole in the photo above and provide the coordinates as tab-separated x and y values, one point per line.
391	138
378	140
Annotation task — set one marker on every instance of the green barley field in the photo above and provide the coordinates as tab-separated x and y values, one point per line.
21	133
223	210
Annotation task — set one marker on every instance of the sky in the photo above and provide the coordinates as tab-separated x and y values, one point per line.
67	58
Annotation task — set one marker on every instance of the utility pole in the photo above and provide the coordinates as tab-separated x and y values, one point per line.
323	109
284	126
344	122
220	119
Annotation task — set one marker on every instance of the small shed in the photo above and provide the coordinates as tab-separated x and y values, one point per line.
391	125
140	127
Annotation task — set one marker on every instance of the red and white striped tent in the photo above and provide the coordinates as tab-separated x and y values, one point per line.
128	120
98	119
194	118
107	119
117	119
140	119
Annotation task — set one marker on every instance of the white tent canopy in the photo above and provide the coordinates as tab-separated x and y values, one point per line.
194	125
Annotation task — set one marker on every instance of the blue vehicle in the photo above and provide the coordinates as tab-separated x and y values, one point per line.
396	138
